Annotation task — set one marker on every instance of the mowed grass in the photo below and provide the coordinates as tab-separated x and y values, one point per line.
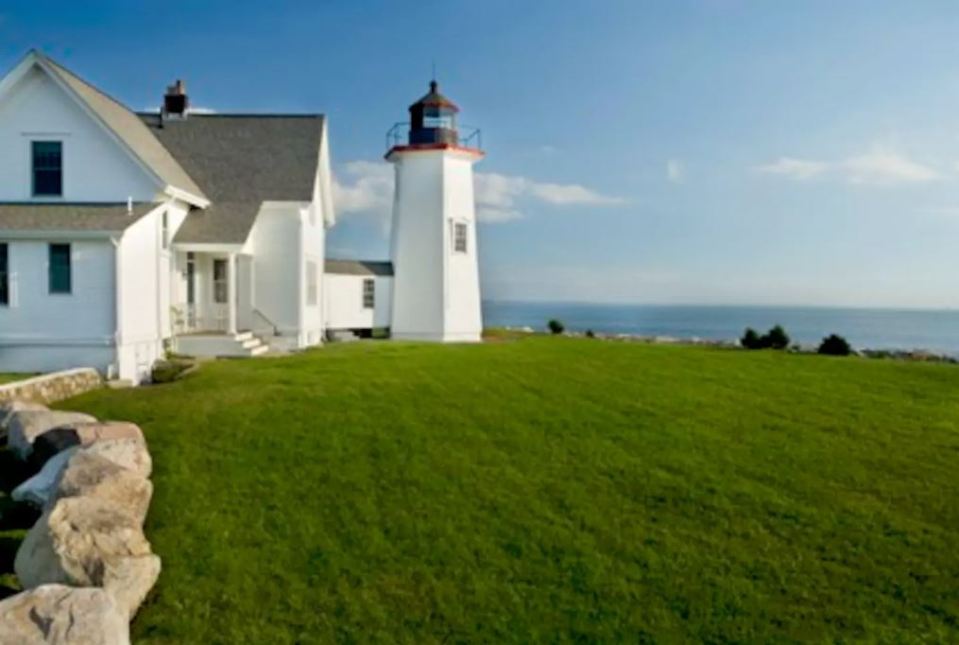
551	490
6	377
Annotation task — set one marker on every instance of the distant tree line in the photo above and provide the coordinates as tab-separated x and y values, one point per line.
777	338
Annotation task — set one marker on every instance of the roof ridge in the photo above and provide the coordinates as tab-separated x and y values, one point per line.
93	87
127	126
60	203
274	115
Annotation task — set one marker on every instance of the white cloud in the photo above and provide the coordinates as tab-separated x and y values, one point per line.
951	212
675	171
885	167
495	215
498	191
794	168
569	194
878	167
367	187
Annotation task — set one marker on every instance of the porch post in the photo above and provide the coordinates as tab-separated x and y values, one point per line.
231	292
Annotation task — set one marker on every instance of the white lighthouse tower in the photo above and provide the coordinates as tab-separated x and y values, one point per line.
436	295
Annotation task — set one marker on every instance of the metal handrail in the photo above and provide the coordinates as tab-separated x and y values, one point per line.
276	328
468	136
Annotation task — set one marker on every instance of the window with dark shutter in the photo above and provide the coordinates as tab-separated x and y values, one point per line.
47	168
61	272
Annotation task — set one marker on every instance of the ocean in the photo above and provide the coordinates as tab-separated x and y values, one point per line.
930	330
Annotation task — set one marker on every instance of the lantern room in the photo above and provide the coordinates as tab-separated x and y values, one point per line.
433	124
433	119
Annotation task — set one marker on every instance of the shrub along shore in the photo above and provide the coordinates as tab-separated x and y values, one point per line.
796	348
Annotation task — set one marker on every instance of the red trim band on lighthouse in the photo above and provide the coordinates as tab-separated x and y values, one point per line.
427	147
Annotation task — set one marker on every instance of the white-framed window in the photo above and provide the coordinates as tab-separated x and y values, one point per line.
190	278
47	162
165	230
312	283
460	237
60	269
221	282
369	293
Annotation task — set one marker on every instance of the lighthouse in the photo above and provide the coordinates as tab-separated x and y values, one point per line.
436	293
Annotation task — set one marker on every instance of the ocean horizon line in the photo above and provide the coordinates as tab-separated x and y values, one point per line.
692	305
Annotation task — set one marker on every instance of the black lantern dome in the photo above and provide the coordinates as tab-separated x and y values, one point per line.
433	119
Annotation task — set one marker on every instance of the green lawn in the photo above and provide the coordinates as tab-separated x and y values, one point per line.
551	489
8	378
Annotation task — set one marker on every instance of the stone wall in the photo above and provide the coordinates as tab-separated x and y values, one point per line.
86	565
53	387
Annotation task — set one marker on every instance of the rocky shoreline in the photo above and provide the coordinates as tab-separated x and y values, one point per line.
918	355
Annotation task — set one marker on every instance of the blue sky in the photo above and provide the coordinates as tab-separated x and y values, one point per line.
693	152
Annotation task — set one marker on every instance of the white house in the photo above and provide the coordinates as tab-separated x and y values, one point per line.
124	234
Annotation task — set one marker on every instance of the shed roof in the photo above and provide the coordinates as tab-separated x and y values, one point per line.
359	267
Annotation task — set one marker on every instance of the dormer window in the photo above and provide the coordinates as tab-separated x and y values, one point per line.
47	168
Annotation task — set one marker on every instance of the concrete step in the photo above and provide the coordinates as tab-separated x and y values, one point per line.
241	345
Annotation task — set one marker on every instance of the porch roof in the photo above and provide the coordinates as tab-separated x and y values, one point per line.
20	216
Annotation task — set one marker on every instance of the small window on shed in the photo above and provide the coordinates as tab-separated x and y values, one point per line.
369	293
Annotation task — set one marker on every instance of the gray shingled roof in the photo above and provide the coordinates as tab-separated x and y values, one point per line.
129	128
235	161
74	217
359	267
240	161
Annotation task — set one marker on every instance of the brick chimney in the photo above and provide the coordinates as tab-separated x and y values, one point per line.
175	101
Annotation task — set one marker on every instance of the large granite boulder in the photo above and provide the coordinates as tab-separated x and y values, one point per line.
83	434
24	426
90	542
59	615
89	474
39	489
131	454
7	409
